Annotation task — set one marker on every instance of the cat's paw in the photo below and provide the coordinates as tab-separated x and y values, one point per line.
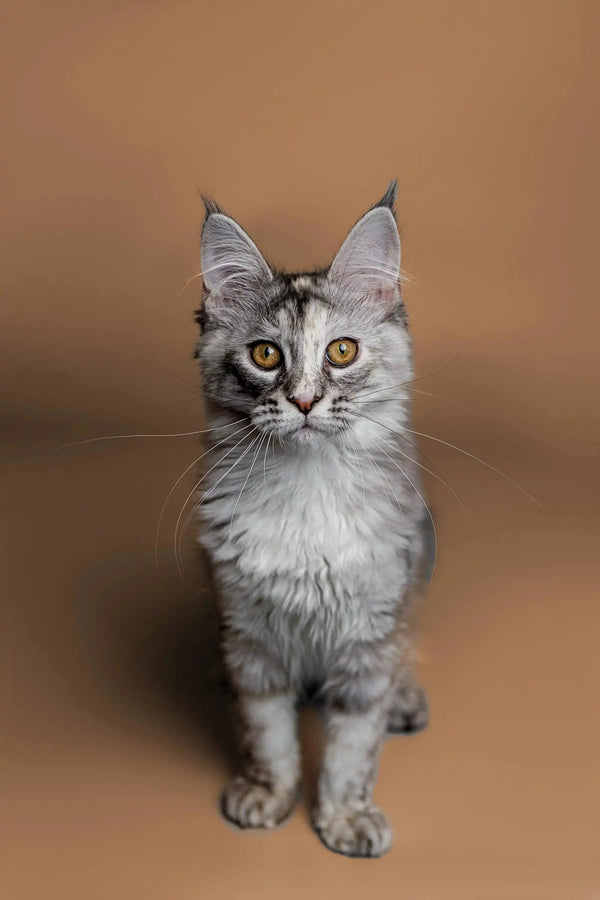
250	805
354	832
410	710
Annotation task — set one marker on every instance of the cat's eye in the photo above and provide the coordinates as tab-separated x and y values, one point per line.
265	355
342	351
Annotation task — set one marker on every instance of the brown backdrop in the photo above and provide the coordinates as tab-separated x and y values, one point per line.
295	115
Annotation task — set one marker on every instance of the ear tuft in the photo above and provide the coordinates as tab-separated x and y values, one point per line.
210	206
389	198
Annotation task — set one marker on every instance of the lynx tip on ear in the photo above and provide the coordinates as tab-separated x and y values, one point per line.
211	207
389	198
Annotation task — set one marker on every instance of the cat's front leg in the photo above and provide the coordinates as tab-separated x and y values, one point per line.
345	818
265	793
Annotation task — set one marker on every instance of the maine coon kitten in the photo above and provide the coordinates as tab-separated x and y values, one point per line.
313	515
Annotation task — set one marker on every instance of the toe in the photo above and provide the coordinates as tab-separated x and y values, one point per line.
250	805
363	833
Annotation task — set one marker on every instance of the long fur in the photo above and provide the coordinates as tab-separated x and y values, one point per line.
313	523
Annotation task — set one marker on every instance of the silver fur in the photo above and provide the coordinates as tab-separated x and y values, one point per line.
313	523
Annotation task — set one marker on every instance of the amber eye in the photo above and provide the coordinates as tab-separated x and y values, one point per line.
266	355
342	352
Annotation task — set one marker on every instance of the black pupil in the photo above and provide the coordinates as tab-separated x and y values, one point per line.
342	348
267	352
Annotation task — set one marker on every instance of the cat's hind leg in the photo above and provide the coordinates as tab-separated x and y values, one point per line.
409	712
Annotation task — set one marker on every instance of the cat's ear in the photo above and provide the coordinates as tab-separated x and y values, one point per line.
368	261
233	267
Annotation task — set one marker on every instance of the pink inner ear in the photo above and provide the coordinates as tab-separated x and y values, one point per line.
214	303
389	294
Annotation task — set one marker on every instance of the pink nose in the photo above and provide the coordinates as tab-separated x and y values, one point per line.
304	402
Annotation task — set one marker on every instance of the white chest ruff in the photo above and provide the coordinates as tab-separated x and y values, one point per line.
311	533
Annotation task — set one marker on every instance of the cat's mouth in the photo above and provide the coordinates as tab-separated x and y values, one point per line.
311	430
311	425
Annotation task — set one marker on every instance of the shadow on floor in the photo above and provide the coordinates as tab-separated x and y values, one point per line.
154	648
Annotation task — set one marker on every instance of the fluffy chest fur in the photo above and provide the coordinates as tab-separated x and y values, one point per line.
325	540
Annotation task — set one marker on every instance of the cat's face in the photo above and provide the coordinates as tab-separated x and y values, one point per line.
306	356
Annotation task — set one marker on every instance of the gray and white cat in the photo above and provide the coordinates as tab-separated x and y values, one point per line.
313	515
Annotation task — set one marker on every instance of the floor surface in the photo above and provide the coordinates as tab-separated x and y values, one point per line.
295	116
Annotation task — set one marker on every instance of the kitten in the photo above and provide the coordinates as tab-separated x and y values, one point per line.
313	515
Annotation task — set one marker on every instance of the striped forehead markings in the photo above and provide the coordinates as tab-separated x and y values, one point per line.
293	294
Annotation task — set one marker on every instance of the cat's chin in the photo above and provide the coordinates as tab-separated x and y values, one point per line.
307	436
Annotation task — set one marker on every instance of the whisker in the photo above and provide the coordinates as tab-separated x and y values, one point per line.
420	377
398	277
187	284
420	495
120	437
187	390
254	458
197	485
360	469
199	275
415	391
265	460
178	542
438	477
420	452
181	477
174	374
381	472
478	459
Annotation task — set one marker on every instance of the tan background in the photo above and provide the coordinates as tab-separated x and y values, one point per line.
295	115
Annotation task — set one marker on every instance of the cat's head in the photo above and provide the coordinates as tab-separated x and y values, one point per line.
306	356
